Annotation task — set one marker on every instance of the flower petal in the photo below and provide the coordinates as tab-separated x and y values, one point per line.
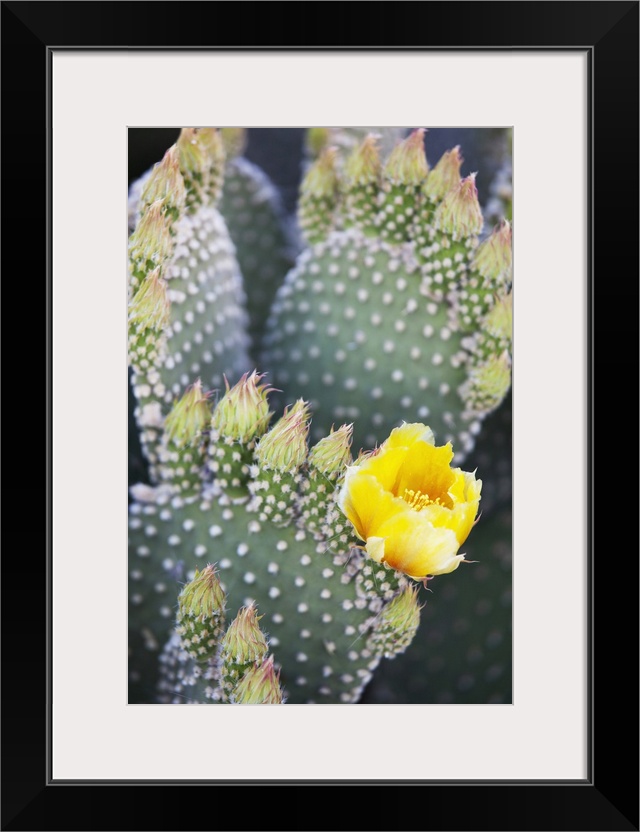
366	503
414	546
459	519
426	469
465	486
407	434
385	466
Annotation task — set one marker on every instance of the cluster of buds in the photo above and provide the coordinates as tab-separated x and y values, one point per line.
235	660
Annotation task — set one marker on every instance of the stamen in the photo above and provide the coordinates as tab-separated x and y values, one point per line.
418	500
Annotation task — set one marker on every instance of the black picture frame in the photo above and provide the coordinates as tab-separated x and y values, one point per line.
608	798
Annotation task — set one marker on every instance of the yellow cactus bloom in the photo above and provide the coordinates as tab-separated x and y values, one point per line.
410	507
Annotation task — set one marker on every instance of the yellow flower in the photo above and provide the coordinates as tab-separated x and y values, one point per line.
412	509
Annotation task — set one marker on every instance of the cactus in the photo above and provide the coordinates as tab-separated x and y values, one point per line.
256	244
243	510
237	493
263	236
395	311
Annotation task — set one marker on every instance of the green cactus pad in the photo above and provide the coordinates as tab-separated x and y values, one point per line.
263	239
352	333
380	328
187	305
206	336
316	610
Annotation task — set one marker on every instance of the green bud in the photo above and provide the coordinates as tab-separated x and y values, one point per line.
243	412
321	180
244	642
499	321
407	162
192	153
493	257
332	454
459	212
319	197
201	614
445	176
150	307
203	597
188	417
488	384
397	624
152	241
260	686
363	166
201	154
284	447
165	183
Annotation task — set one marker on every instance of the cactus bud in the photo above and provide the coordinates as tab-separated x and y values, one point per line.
244	642
407	162
151	241
493	257
328	460
459	212
184	440
445	176
321	180
210	139
189	417
201	154
165	183
319	197
191	153
362	180
401	198
201	614
332	454
499	321
363	166
243	414
284	447
488	384
397	624
280	454
150	307
260	686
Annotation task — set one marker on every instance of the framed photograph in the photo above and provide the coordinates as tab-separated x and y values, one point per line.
527	742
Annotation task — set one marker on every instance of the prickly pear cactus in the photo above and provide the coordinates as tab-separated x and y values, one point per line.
260	505
187	313
395	311
256	248
252	577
